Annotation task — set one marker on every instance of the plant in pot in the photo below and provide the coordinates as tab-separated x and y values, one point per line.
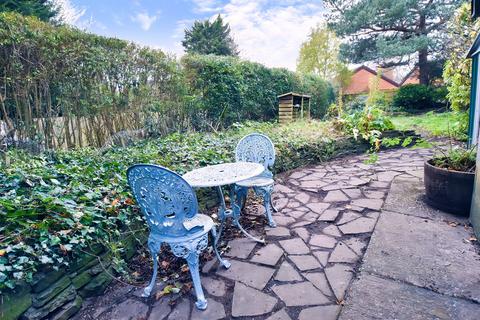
449	178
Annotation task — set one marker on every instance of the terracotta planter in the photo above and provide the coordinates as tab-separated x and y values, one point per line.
448	190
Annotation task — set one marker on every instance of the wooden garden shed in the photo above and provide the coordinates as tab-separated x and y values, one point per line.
293	106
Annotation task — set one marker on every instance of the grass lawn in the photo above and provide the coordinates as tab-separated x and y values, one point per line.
447	124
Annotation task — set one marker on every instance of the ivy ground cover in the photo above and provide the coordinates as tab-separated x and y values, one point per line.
55	205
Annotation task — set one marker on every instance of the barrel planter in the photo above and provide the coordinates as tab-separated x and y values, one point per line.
448	190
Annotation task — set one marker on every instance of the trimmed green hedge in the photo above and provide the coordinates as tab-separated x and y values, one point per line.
59	74
233	90
419	97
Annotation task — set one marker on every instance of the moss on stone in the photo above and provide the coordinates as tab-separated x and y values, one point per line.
15	302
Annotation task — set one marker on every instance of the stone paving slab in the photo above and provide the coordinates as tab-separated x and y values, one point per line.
305	262
426	253
287	273
250	302
300	294
322	312
408	197
268	255
280	315
240	248
372	297
248	273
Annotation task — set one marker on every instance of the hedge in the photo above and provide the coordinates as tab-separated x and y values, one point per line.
62	87
419	97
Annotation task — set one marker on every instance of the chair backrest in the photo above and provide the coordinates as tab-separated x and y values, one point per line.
165	198
257	148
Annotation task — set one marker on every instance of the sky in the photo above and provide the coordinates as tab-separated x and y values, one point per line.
266	31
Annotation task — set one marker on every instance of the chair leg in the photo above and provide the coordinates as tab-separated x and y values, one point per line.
216	236
190	250
154	248
241	196
192	260
267	199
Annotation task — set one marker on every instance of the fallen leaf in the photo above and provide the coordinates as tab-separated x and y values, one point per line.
187	286
136	274
64	250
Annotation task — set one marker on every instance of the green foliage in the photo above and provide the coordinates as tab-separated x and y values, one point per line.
392	31
230	90
417	97
62	87
376	97
207	37
56	205
457	159
322	93
447	124
319	54
42	9
456	74
49	72
367	124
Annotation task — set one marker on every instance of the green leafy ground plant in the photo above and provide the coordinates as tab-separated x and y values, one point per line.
56	205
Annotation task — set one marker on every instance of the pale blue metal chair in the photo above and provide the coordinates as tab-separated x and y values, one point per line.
257	148
170	207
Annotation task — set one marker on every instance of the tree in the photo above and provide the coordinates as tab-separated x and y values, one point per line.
392	32
207	37
456	73
319	54
45	10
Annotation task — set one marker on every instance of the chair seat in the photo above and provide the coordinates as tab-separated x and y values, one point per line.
198	221
257	181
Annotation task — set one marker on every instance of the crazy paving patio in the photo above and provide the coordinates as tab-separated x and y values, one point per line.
354	241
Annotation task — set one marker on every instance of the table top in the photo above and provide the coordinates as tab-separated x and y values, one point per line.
223	174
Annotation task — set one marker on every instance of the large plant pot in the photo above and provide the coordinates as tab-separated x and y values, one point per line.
448	190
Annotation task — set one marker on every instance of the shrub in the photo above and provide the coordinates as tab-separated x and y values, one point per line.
356	103
67	88
419	97
461	32
367	123
232	90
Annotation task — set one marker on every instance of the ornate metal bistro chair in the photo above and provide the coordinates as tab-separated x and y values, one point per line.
257	148
170	207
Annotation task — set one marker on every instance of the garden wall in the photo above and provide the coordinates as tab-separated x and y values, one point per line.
58	294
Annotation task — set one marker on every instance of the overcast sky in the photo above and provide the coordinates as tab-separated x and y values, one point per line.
266	31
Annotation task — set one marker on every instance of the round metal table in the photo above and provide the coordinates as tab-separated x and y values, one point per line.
225	174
